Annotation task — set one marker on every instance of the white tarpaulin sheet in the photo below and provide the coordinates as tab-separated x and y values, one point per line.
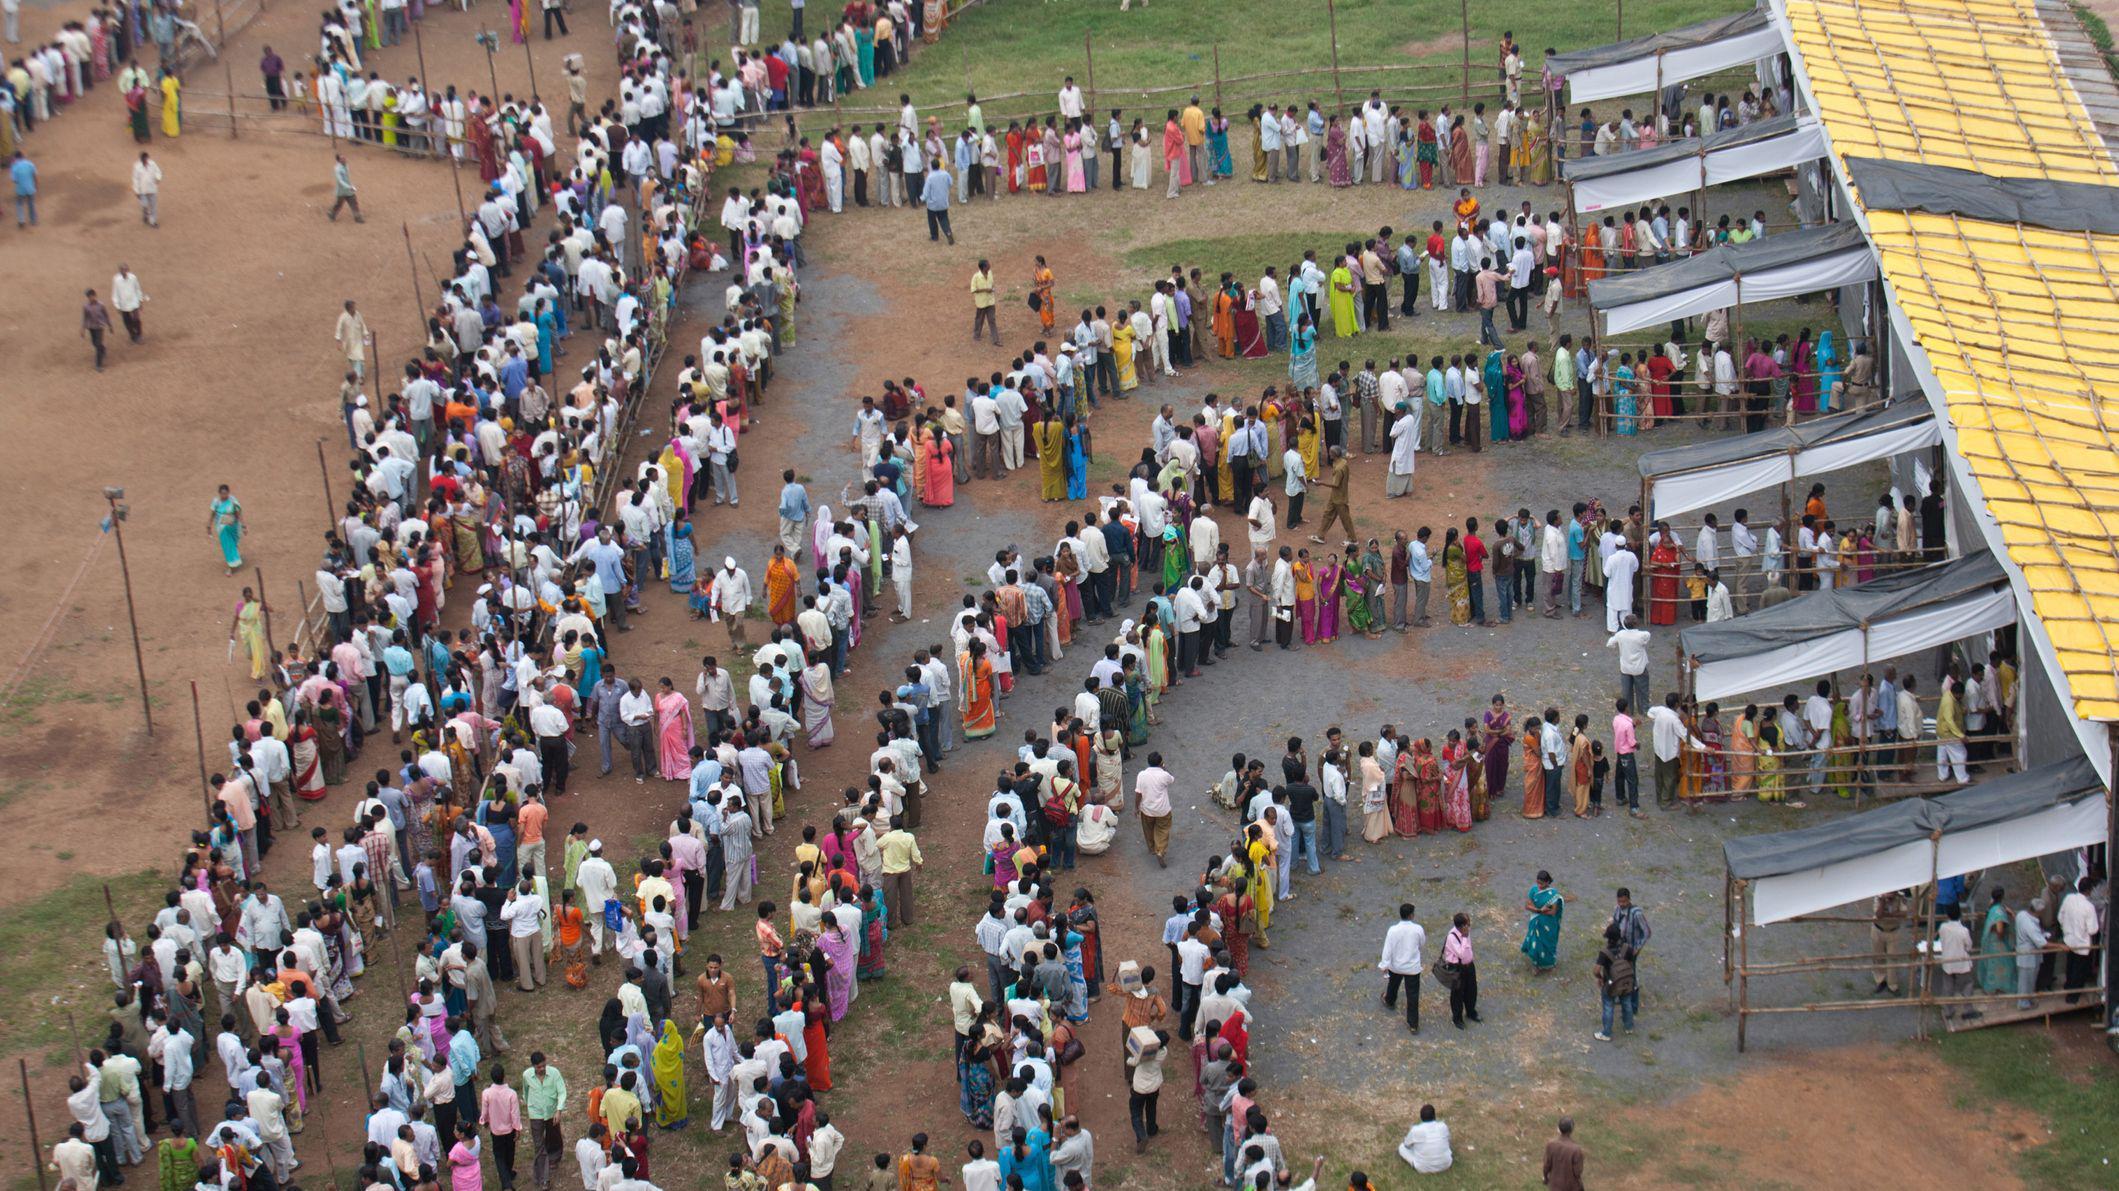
1848	266
1891	637
2058	828
1664	174
1640	66
1684	492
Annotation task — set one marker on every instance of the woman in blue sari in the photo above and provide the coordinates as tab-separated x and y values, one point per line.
1223	165
547	336
1541	934
677	543
864	40
1077	457
1302	354
1496	397
1623	405
1077	1008
1828	375
225	522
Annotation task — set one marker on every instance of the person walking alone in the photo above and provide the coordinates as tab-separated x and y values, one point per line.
343	193
147	187
1403	944
126	297
1458	958
95	320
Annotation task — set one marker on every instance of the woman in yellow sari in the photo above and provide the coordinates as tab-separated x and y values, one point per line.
1539	145
922	446
1122	354
1228	433
672	1108
171	109
1259	847
1309	441
1051	439
1767	762
1276	437
248	628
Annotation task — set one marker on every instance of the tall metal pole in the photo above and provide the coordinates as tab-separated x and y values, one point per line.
139	660
36	1148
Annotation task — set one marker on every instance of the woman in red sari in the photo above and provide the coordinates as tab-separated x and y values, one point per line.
939	491
1663	577
1533	771
1250	337
1014	141
1427	784
1456	782
1226	300
1404	798
809	180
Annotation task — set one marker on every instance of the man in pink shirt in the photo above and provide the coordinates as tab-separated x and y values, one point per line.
1625	777
237	795
500	1109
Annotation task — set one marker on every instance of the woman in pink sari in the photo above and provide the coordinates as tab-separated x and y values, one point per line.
1328	583
841	951
1456	782
673	717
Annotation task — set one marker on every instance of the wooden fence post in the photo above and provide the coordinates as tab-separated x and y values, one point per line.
1089	55
1464	17
1331	9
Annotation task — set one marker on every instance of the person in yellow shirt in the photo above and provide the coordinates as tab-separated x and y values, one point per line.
901	859
1195	125
621	1105
982	308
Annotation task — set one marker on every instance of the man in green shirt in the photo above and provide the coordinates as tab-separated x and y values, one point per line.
544	1097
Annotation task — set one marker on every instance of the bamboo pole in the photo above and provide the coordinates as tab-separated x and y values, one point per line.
1464	19
266	606
227	69
29	1112
419	301
1743	965
198	725
1331	9
330	505
1217	74
1089	57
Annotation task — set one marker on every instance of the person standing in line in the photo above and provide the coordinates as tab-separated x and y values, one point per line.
934	194
1403	945
126	297
95	320
1151	792
147	188
343	193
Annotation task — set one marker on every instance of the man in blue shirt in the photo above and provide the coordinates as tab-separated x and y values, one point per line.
794	512
608	557
23	173
934	192
1577	557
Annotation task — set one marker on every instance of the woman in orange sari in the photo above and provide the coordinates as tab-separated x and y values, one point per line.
975	682
1742	748
1591	251
1427	786
1533	772
1225	319
1042	280
782	580
1403	798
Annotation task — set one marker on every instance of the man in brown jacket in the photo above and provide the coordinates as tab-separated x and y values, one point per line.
1563	1159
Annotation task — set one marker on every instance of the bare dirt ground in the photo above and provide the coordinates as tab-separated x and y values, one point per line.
237	381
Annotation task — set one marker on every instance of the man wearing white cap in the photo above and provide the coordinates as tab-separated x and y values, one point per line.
598	883
729	596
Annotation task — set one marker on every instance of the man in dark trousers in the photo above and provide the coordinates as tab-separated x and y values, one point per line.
1563	1159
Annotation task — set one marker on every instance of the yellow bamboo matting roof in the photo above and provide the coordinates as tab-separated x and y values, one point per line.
2020	324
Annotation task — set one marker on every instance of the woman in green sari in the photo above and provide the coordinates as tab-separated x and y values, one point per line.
177	1163
1997	947
1496	397
1137	705
864	39
1541	934
1458	578
672	1110
1177	559
1356	600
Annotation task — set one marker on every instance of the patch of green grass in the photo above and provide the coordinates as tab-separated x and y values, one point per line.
55	957
24	705
1007	46
2080	1105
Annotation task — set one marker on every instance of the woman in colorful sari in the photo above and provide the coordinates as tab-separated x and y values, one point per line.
1177	558
307	757
1250	340
136	110
1330	578
1533	771
1828	373
1802	385
1714	773
1048	437
672	1109
678	544
1518	413
1427	787
1624	406
875	932
172	106
1460	153
247	627
817	701
673	718
1497	724
815	1007
1458	579
1765	759
1541	934
1122	356
1404	796
1222	165
1495	375
1346	318
864	36
1354	586
1456	767
840	951
975	686
1581	765
1258	855
1337	171
1077	1007
224	520
939	490
974	1072
1076	445
1302	427
1226	300
1302	354
782	581
1427	149
1997	947
1842	762
1663	597
1140	705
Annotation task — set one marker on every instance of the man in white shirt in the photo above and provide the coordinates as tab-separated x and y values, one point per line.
126	298
1620	567
2078	926
1401	962
1151	792
147	187
1668	736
